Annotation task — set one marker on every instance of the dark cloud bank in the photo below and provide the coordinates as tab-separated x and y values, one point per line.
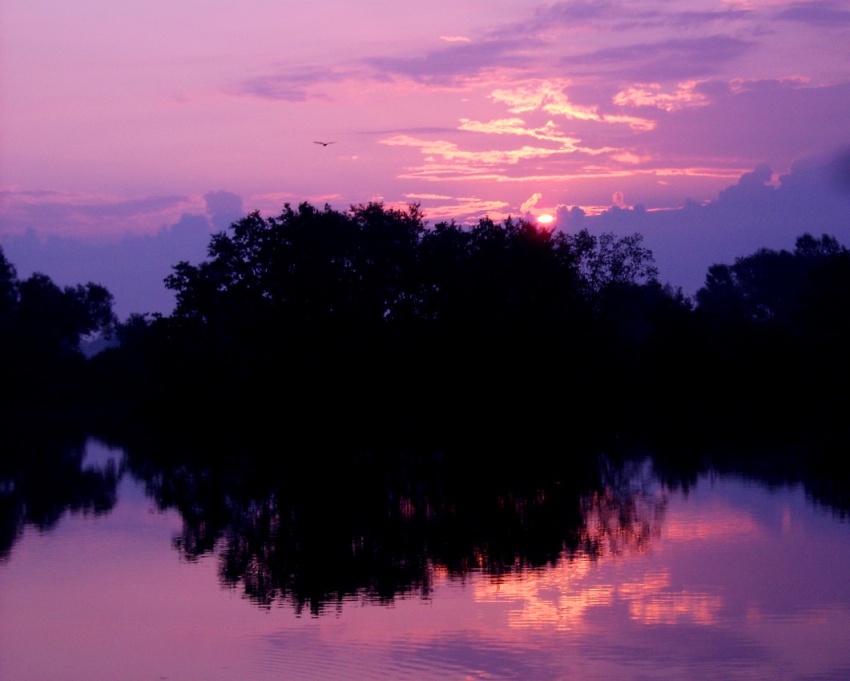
133	269
754	213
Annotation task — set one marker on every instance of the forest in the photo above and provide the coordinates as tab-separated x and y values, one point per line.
377	325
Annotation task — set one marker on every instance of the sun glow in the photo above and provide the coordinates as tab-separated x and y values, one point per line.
545	219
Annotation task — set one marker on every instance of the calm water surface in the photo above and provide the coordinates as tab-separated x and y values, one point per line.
727	581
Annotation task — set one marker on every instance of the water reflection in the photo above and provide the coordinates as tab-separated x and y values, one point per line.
577	567
626	511
376	527
563	597
380	527
44	475
288	527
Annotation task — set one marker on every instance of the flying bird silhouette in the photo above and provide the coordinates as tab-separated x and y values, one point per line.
324	144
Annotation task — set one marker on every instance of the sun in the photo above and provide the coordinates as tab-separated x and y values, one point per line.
545	219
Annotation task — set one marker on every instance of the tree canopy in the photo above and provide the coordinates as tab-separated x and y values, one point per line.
774	287
41	326
776	327
373	265
376	317
373	305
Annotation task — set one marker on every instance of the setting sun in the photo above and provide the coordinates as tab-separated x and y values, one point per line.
545	219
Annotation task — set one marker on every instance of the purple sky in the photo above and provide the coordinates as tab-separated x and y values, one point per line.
129	131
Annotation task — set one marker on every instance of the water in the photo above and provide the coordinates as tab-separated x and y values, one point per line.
719	578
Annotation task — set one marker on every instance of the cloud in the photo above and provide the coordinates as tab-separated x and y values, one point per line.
693	18
577	15
767	119
664	60
571	15
839	171
294	86
467	206
517	126
223	208
708	129
420	196
70	213
761	210
445	208
507	47
443	160
69	209
468	159
573	12
569	24
529	203
415	130
132	268
819	13
565	155
550	98
455	63
685	95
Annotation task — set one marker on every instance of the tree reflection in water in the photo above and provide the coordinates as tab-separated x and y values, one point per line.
626	512
291	527
43	475
315	532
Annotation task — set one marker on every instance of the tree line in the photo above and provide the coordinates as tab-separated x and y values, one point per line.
41	329
372	320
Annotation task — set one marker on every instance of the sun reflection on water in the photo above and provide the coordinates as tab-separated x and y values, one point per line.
561	598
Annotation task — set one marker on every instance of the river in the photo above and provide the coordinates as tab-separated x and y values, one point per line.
717	575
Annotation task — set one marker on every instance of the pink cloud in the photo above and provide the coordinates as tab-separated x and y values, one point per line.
70	213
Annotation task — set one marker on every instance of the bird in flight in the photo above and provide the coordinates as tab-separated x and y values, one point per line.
324	144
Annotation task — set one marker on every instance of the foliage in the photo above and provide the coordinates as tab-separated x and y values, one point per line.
382	323
372	314
8	287
374	266
773	287
776	327
41	326
607	261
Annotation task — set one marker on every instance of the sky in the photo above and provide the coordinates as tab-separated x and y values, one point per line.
130	131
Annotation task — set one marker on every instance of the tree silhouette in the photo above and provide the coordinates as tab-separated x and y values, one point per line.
8	287
771	287
43	477
42	326
606	261
313	532
776	328
374	307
